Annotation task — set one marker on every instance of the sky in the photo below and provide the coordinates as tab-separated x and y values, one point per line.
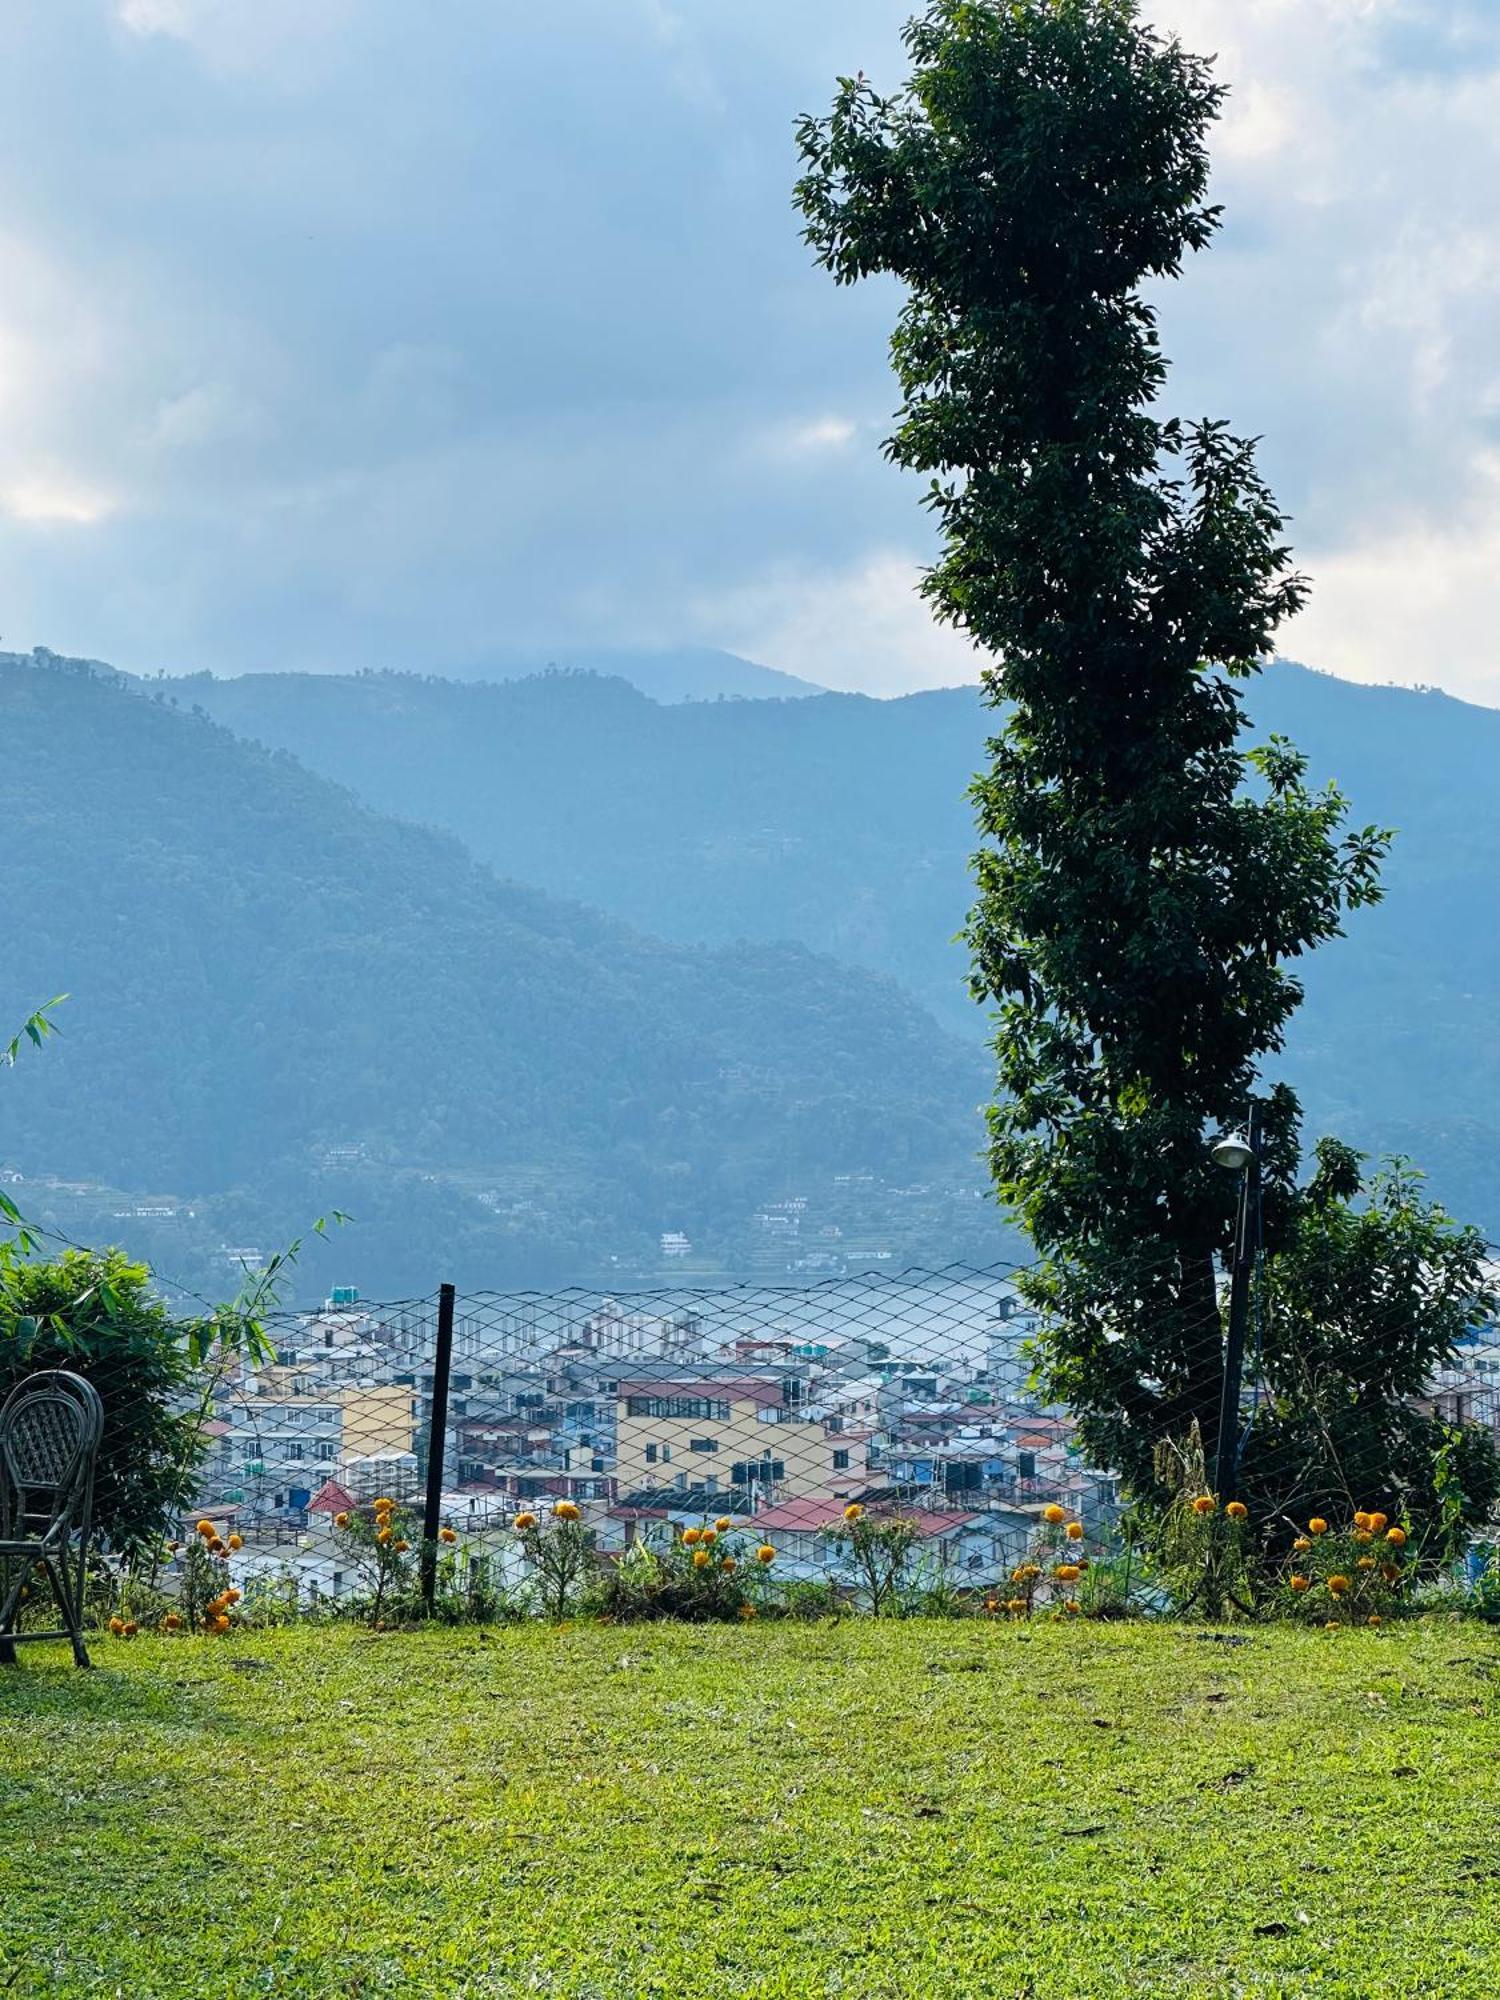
346	333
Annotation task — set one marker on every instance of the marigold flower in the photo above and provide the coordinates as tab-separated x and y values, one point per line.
384	1506
1365	1562
1337	1585
690	1537
1396	1537
1237	1511
1377	1522
1204	1504
402	1547
728	1562
524	1520
382	1535
1067	1572
1299	1583
233	1596
765	1553
341	1520
447	1535
747	1611
708	1537
1374	1619
1018	1576
1072	1605
171	1623
566	1511
1302	1545
1054	1514
1391	1572
1317	1525
1363	1535
1074	1531
221	1623
1362	1521
236	1541
1016	1604
853	1511
131	1628
701	1559
992	1605
117	1626
1332	1626
206	1529
724	1524
217	1548
1030	1571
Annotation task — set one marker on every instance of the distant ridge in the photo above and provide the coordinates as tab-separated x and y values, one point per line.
684	673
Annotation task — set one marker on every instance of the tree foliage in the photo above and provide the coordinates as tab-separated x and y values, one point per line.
1148	880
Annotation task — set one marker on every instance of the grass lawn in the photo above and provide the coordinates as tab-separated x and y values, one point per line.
852	1810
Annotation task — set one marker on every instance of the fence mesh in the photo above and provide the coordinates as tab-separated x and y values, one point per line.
766	1411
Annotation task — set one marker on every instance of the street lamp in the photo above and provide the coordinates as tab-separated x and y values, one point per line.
1238	1153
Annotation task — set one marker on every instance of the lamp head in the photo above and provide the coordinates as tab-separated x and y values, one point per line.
1233	1152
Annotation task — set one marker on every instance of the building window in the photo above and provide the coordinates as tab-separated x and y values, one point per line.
841	1461
651	1454
703	1444
760	1470
705	1408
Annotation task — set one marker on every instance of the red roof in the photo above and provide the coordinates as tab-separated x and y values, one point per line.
330	1498
730	1389
804	1515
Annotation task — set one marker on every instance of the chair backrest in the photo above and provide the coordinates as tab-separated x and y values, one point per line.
50	1427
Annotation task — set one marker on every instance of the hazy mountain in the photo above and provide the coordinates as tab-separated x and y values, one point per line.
683	673
283	1000
843	822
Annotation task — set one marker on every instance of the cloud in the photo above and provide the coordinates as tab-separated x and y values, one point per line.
340	331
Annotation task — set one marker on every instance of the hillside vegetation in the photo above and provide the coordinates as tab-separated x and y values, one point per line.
844	823
268	975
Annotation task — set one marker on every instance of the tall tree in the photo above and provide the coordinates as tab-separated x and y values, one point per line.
1148	880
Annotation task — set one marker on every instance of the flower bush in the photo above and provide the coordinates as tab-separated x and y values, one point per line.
559	1553
1353	1575
379	1541
877	1551
713	1573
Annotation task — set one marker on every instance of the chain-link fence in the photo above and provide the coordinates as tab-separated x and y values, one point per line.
773	1408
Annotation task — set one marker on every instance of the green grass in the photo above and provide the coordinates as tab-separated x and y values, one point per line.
786	1812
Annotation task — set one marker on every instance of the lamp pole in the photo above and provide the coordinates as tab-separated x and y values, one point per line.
1246	1243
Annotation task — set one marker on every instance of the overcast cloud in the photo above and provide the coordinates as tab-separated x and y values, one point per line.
345	332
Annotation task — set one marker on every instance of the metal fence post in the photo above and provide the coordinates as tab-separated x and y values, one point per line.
437	1427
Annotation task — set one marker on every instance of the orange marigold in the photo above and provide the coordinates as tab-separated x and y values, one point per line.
565	1510
1067	1572
728	1562
1362	1520
447	1535
1237	1511
1317	1525
171	1622
525	1520
1374	1618
221	1623
1016	1604
1299	1583
709	1537
724	1524
1072	1605
206	1529
1302	1545
402	1547
747	1611
1396	1537
341	1520
1337	1585
1204	1504
701	1559
1363	1535
117	1626
1074	1531
765	1553
1377	1522
382	1535
690	1537
1054	1514
383	1505
1365	1562
236	1541
853	1512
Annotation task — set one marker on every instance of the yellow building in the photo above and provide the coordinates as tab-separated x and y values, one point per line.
376	1420
730	1435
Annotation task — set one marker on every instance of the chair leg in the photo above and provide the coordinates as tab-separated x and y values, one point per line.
70	1604
10	1597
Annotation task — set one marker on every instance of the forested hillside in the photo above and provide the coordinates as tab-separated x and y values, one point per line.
843	822
283	1000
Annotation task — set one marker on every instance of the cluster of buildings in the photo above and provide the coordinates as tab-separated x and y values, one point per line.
650	1422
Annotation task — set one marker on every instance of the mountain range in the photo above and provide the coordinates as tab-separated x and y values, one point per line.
283	1000
844	822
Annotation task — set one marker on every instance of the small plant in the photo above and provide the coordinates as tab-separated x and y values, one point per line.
878	1550
1200	1551
379	1542
1054	1575
1356	1575
710	1574
559	1552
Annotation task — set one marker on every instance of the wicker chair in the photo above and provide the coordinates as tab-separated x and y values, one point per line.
50	1427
